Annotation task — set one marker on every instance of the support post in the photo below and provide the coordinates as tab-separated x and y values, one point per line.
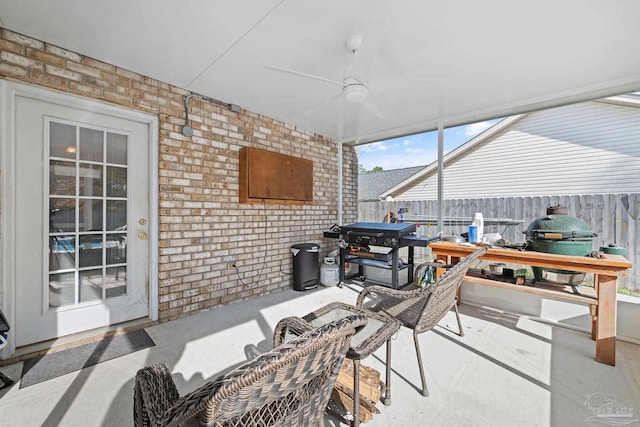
440	176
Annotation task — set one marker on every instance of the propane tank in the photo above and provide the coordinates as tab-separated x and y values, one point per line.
347	266
329	272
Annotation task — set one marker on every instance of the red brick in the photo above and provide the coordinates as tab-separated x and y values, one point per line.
202	226
11	46
9	70
63	53
48	79
20	39
84	69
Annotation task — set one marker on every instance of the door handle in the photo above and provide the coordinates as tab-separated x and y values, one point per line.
142	235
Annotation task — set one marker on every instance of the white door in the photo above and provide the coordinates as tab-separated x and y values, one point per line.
81	221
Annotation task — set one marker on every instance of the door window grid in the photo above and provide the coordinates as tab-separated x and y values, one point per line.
88	213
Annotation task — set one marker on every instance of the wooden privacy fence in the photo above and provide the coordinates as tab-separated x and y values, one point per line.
613	217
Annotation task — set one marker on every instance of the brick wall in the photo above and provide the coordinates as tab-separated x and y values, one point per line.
202	225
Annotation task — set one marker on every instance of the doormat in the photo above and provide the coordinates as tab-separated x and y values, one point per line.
43	368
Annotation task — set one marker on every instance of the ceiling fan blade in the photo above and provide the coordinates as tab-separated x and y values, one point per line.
298	73
410	82
375	107
368	50
316	107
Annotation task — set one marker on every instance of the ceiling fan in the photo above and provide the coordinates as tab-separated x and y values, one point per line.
355	89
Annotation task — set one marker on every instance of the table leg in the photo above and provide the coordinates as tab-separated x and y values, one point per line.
356	393
606	319
343	256
593	311
395	265
387	382
410	263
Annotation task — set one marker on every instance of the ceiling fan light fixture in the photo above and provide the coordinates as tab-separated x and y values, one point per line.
353	44
355	93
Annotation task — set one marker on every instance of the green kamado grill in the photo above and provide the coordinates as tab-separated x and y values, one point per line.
560	234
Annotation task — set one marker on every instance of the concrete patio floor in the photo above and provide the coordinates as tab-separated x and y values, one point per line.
506	371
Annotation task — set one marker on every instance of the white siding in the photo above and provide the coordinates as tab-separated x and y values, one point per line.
587	148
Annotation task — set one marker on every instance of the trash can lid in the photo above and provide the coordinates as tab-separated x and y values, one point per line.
305	246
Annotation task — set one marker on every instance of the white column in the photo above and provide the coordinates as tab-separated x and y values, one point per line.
340	179
440	175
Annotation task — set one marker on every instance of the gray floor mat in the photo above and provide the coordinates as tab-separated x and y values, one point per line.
53	365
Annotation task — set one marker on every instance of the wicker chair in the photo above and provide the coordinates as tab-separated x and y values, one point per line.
420	309
287	386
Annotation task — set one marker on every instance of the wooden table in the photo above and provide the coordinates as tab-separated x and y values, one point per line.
601	299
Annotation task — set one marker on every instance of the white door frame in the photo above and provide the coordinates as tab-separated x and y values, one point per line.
8	93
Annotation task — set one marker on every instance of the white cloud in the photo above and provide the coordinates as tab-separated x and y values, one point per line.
476	128
414	150
408	142
380	146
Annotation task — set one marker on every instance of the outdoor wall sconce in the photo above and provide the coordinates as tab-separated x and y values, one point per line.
187	130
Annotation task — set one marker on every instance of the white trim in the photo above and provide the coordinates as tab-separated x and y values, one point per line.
8	198
628	100
8	93
44	200
154	216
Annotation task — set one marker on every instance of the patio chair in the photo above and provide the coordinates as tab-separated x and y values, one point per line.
287	386
420	309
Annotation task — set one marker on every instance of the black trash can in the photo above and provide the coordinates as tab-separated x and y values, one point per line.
305	266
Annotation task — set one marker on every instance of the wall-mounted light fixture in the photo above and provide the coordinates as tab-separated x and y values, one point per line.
187	130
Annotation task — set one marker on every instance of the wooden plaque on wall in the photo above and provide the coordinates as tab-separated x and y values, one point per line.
274	177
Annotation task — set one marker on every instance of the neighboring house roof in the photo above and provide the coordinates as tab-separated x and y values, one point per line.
542	152
372	184
449	157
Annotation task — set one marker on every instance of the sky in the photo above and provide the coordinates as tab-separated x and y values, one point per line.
416	150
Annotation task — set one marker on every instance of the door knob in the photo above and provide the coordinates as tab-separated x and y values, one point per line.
142	235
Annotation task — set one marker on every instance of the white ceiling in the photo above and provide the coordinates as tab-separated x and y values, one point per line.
452	61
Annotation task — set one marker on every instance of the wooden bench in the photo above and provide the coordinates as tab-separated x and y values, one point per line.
601	299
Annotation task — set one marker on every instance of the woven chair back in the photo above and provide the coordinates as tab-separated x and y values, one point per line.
440	296
288	386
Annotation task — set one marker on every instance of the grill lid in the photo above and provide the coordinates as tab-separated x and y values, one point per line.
557	225
398	229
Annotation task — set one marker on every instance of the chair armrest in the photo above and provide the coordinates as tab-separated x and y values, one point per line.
154	393
293	324
383	290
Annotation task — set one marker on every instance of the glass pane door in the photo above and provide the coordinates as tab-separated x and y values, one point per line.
87	214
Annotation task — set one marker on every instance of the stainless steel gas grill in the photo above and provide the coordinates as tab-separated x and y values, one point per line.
356	241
